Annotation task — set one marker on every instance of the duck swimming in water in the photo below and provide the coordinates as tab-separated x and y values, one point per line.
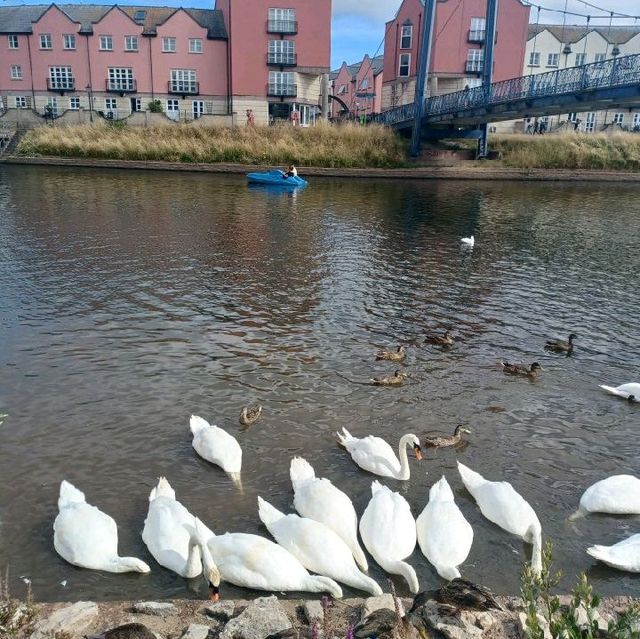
393	356
560	346
251	415
436	439
520	369
397	379
440	340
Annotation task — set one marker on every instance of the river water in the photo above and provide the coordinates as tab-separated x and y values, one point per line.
130	300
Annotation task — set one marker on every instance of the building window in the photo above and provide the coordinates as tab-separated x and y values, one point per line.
534	59
121	79
74	104
342	90
404	65
364	84
168	45
110	104
183	81
106	43
590	124
69	41
636	121
477	29
552	59
581	58
600	57
16	72
281	83
618	118
197	109
282	52
23	102
406	36
282	21
195	45
13	41
131	43
475	60
45	41
61	78
572	117
136	104
51	107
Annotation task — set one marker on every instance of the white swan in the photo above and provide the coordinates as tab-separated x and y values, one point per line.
501	504
615	495
170	535
375	455
216	445
86	537
628	391
316	547
320	500
388	531
625	555
468	241
444	535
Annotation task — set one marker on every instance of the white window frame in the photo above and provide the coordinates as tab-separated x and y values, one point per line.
22	101
406	33
74	103
13	42
475	60
111	104
69	42
282	51
181	79
618	118
534	58
342	90
407	64
138	105
581	58
281	81
172	112
572	117
61	78
600	57
16	72
364	84
53	103
106	42
590	122
281	15
477	29
195	45
197	109
553	59
169	44
636	120
120	78
131	43
46	43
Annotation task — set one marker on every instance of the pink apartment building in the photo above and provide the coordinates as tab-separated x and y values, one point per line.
359	86
457	55
112	61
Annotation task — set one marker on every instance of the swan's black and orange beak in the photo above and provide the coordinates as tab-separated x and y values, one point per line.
418	451
214	593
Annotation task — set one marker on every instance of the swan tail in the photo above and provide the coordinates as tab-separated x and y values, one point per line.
376	486
69	494
267	513
448	572
441	491
615	391
601	553
316	583
300	471
363	582
536	556
344	437
196	424
405	570
162	489
578	514
470	478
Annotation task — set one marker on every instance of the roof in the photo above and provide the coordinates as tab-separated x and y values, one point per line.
377	64
18	19
569	34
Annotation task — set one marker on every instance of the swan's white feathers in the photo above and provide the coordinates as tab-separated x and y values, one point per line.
625	555
216	445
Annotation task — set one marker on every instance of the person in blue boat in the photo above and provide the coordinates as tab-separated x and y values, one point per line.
292	172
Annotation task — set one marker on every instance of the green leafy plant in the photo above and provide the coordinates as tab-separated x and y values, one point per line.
155	106
16	617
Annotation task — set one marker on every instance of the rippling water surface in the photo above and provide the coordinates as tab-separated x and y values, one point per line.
130	300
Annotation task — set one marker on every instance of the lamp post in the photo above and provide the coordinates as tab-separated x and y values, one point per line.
88	88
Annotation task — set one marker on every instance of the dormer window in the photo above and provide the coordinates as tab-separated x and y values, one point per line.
406	36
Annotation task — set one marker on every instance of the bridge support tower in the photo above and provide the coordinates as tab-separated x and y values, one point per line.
487	70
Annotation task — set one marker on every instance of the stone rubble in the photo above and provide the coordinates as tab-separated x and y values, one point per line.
158	609
261	618
196	631
71	619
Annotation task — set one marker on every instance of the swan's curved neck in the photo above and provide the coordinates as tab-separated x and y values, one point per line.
405	440
194	559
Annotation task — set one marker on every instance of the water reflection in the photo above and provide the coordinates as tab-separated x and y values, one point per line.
132	300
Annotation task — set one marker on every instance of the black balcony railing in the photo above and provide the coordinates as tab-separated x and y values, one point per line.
181	87
287	90
474	66
61	84
127	85
476	35
282	59
282	26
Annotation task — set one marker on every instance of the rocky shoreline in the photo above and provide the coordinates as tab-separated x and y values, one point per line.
269	617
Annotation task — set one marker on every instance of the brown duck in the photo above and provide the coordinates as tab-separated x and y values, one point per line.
251	415
436	439
440	340
393	356
519	369
560	346
397	379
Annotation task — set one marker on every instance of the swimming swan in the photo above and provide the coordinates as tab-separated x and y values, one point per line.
170	535
625	555
316	547
468	241
501	504
615	495
628	391
216	445
444	535
388	531
85	536
375	455
320	500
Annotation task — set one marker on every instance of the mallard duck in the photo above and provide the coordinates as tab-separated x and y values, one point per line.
251	415
393	356
397	379
560	346
465	594
440	340
436	439
520	369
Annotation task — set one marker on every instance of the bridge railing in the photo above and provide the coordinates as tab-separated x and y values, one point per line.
606	73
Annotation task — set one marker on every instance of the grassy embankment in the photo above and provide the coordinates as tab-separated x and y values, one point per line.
322	145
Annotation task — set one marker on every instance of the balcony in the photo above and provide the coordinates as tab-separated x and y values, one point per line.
474	66
184	88
476	35
282	59
121	86
289	27
60	85
282	90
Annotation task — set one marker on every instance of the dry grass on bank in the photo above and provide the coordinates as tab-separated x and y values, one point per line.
619	151
324	145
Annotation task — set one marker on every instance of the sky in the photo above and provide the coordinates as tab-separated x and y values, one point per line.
358	25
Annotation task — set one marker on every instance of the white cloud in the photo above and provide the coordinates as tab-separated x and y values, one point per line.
375	11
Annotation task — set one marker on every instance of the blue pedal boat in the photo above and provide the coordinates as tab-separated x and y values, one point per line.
275	178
